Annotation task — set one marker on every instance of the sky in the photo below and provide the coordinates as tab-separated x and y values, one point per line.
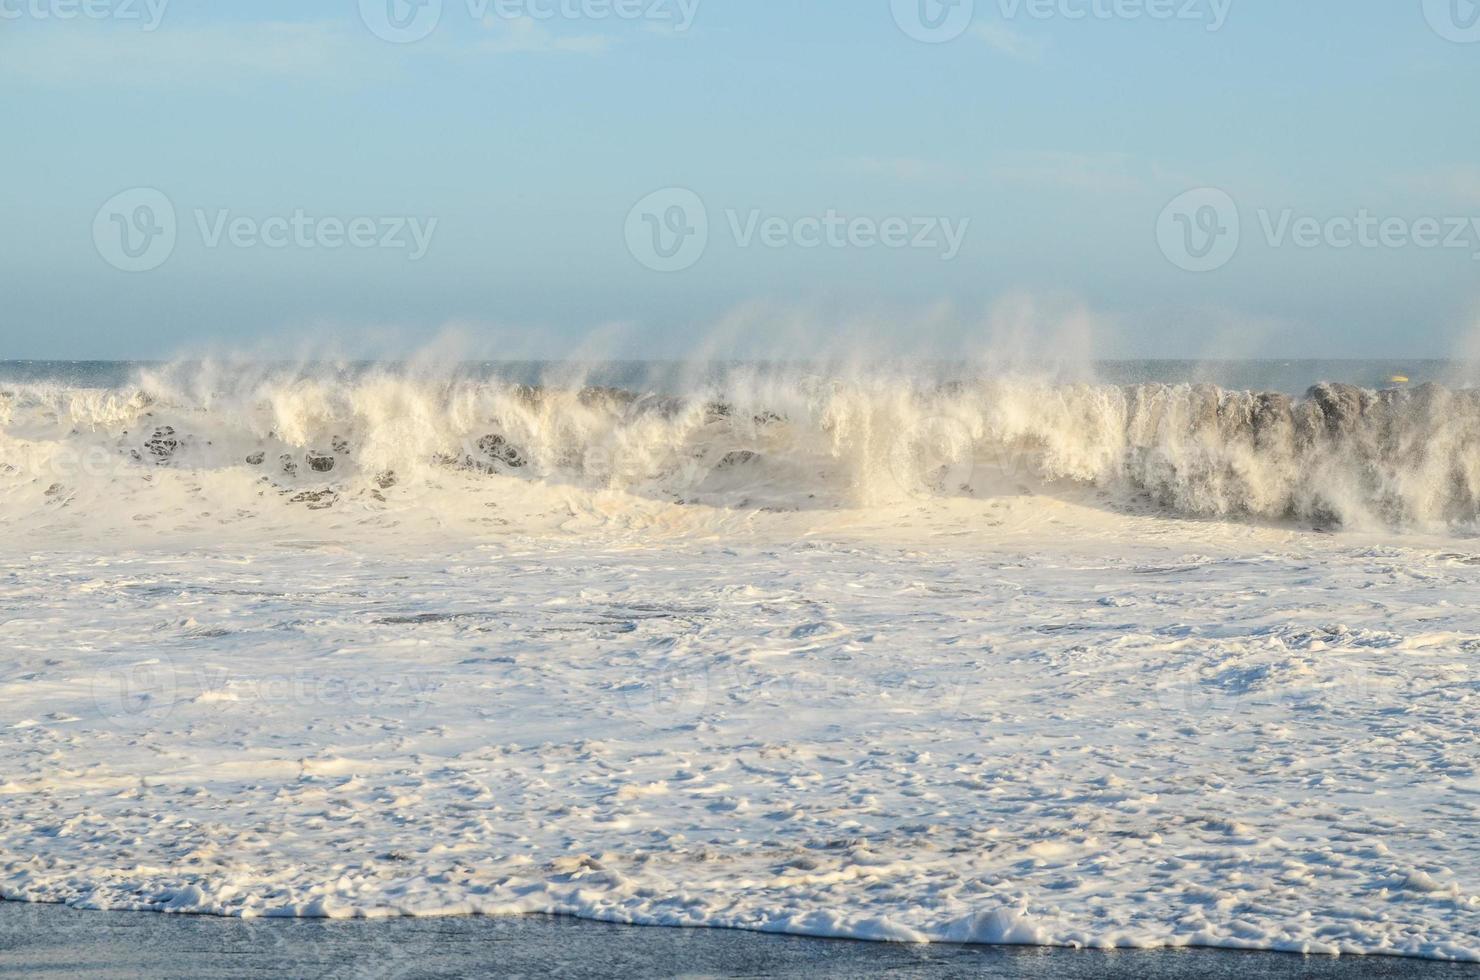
646	178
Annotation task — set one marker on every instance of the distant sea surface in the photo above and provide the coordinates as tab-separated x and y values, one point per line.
1292	377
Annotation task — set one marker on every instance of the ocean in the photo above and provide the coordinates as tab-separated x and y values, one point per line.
1121	655
1291	377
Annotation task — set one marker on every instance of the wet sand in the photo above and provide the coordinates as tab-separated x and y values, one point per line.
48	940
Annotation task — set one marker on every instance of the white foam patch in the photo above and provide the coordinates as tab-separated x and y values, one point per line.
1008	720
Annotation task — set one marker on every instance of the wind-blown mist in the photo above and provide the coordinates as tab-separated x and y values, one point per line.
213	444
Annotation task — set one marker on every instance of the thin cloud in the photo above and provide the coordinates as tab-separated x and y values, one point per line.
1458	185
85	55
1005	40
1094	172
1090	172
526	35
908	169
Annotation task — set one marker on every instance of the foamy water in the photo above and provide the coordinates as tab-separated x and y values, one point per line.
872	654
230	446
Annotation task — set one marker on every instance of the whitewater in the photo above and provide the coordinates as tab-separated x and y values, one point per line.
880	654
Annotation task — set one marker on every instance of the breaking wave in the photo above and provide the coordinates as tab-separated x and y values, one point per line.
384	441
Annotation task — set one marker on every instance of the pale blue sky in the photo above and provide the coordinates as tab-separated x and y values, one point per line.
528	142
